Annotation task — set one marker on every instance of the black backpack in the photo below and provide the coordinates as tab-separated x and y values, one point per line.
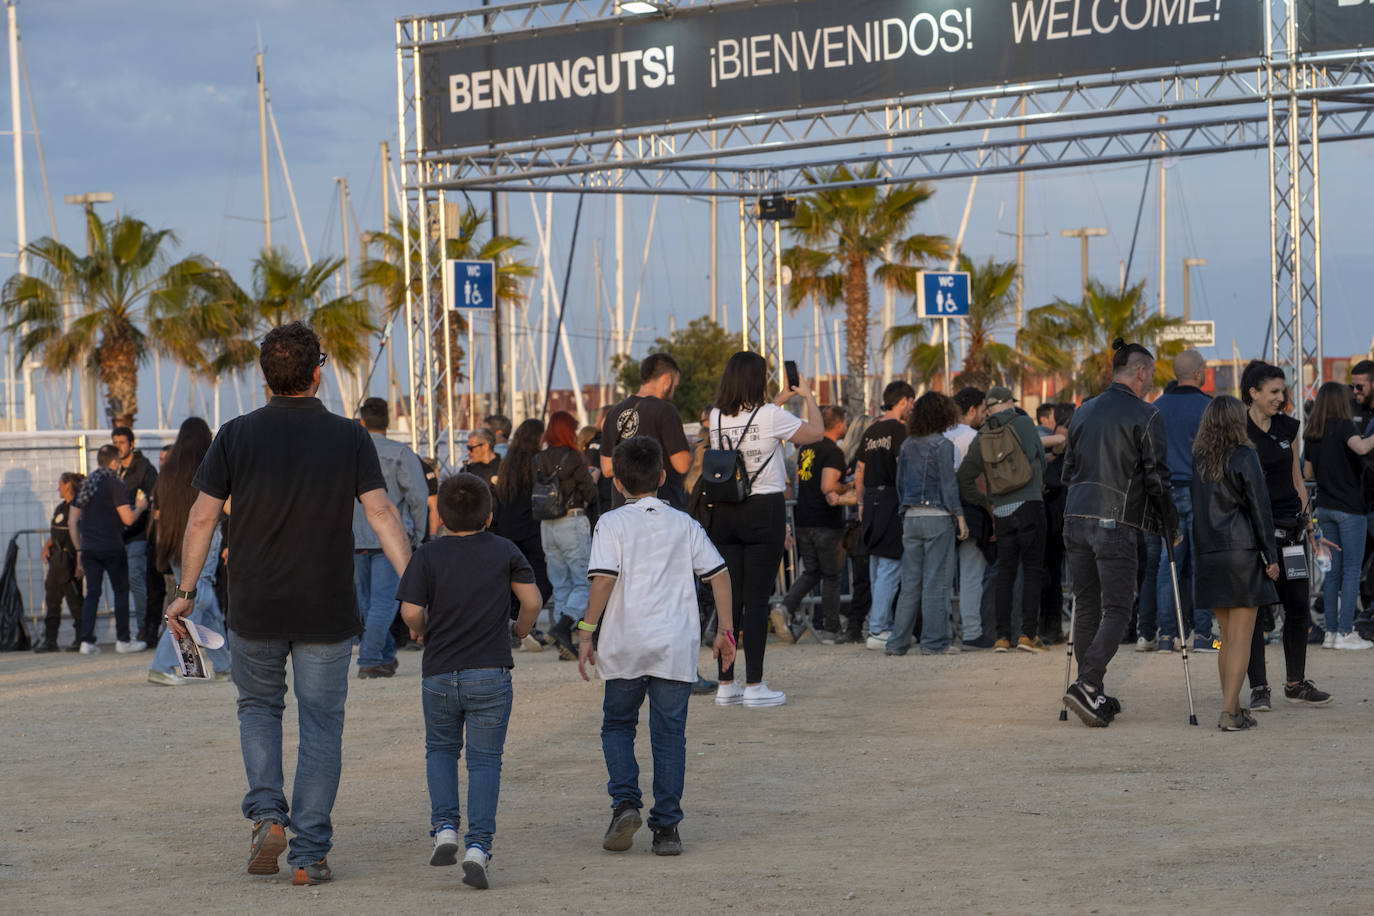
724	478
546	496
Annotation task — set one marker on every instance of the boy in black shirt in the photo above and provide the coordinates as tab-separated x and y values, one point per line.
456	591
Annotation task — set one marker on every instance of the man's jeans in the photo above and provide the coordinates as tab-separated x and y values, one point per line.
1102	569
972	566
1020	548
1164	586
95	565
822	562
927	571
136	552
567	543
1155	614
475	701
667	738
885	575
1341	589
320	680
376	581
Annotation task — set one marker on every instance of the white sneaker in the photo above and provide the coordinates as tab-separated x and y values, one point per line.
89	648
1144	645
475	867
124	647
759	695
878	642
1347	641
1329	641
165	678
729	694
445	846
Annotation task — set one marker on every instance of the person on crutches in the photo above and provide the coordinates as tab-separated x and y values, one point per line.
1118	480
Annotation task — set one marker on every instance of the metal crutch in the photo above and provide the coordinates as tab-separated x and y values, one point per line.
1068	657
1178	610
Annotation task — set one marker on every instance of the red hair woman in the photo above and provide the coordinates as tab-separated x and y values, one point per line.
563	491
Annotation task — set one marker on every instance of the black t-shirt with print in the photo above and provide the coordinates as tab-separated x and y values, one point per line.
1275	450
812	511
294	471
1337	469
878	451
653	417
465	584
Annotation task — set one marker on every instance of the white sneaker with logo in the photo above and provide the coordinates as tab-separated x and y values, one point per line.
445	846
475	867
1352	641
760	695
878	641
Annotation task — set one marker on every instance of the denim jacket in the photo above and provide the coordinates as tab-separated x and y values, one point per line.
407	489
925	474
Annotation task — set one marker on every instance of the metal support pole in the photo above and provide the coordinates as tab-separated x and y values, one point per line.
743	280
447	282
405	265
777	296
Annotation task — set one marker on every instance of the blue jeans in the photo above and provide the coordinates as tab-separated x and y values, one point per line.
667	738
1341	589
884	574
206	614
927	571
136	552
320	678
1155	616
376	582
1164	586
96	565
972	567
475	702
567	545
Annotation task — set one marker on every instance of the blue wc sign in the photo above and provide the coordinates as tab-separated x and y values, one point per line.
473	284
943	294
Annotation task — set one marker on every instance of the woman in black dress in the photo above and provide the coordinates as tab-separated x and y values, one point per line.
1234	530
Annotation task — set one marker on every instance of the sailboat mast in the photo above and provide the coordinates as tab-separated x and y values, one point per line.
21	227
262	151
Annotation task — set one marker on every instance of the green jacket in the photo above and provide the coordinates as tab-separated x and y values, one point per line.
972	468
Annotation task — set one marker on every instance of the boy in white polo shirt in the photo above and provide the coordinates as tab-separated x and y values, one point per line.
644	560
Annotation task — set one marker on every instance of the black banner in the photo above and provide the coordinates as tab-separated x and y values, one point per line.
1331	25
735	59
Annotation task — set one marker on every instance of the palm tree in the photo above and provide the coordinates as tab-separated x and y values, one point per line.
843	232
1075	338
385	273
113	287
987	361
926	360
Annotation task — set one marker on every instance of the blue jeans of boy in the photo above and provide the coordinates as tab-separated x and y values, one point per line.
376	582
1341	589
567	544
886	575
320	680
474	704
927	572
667	739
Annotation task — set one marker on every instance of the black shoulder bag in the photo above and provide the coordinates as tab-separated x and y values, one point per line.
724	478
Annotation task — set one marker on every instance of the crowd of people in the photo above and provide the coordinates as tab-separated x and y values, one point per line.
952	523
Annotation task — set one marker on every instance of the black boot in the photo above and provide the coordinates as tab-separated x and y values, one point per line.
49	644
562	638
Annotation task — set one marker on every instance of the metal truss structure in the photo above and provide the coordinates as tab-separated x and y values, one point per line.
1287	103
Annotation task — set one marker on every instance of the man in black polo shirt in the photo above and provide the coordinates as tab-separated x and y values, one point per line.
650	412
293	470
99	514
818	526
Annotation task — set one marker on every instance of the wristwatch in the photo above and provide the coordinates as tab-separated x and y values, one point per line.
189	596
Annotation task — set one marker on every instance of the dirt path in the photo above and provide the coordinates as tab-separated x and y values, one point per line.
886	785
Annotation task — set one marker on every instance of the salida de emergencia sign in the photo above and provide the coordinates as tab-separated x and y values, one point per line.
738	58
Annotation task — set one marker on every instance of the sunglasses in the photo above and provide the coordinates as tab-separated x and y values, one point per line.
324	358
476	443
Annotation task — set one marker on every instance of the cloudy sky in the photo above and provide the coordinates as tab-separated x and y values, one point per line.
156	102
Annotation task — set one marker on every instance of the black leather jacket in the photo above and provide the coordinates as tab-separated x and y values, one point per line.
1233	513
1115	465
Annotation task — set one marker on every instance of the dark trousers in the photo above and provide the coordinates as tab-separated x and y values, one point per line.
1052	587
1020	548
61	584
96	564
749	536
156	583
860	594
822	562
1102	570
1294	594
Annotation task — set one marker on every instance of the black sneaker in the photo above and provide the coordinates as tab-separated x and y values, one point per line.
47	645
703	686
1089	705
845	638
986	641
620	835
1304	692
667	842
1112	709
562	639
1259	700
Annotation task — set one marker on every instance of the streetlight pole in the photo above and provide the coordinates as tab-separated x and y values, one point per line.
1187	263
87	202
1084	233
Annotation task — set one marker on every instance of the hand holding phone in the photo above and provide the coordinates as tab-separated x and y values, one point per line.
793	376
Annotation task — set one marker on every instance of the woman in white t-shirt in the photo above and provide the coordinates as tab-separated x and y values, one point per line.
749	535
